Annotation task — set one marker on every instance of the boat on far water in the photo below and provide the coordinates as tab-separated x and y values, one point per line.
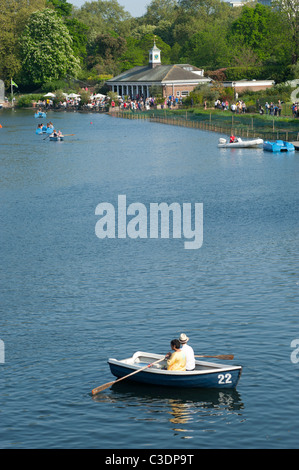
40	114
205	374
56	138
278	146
239	143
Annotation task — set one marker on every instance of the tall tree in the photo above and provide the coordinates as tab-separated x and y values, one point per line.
159	10
103	16
290	12
46	49
13	17
263	30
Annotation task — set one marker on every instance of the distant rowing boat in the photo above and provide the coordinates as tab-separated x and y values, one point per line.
40	114
205	374
56	138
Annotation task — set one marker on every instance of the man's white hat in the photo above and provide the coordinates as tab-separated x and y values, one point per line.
183	338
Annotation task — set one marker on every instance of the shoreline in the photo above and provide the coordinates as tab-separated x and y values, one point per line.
228	126
242	125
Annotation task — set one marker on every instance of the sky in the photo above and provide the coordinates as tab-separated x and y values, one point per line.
135	7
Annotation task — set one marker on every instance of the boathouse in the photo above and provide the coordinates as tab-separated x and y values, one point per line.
177	80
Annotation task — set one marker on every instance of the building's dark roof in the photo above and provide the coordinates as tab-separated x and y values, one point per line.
159	73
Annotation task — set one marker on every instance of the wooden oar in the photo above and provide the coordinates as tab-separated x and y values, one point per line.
221	356
67	135
97	390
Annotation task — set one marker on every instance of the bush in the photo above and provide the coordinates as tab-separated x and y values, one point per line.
55	85
26	101
264	72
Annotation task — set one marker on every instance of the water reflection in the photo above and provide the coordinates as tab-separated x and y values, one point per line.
184	409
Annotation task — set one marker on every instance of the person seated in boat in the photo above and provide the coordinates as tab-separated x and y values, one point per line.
233	139
176	360
188	351
39	129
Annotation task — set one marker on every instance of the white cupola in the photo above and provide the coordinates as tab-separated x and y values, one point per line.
154	56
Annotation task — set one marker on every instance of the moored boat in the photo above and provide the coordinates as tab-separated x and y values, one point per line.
239	143
278	146
205	374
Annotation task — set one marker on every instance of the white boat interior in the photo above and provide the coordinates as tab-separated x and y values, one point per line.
141	359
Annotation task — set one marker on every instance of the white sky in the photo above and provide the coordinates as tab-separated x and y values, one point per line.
135	7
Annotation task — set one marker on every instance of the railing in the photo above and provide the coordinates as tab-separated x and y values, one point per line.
224	127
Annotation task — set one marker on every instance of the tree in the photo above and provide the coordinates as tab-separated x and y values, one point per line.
133	56
62	7
159	10
13	17
46	49
207	47
263	30
103	16
290	12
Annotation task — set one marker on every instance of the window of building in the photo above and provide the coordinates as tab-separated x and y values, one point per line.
185	93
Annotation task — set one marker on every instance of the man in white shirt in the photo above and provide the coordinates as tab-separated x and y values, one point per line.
189	353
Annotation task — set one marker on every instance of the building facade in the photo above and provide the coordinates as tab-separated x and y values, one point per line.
177	80
252	85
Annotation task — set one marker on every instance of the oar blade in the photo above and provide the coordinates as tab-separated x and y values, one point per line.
229	357
97	390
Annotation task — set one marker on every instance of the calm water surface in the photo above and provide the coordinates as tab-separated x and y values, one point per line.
69	301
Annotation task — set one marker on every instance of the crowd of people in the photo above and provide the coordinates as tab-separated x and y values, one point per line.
140	103
238	107
271	108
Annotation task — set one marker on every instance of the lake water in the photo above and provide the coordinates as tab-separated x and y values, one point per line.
70	300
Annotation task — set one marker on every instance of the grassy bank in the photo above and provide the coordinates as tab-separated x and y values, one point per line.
243	125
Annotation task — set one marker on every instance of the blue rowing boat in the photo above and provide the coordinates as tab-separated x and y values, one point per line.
205	374
40	114
278	146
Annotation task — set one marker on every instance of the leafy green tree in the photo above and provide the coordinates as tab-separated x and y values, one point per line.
262	30
133	56
160	10
46	49
78	32
13	17
62	7
77	29
207	47
103	16
289	10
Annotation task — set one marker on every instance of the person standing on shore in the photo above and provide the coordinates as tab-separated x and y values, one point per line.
188	351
